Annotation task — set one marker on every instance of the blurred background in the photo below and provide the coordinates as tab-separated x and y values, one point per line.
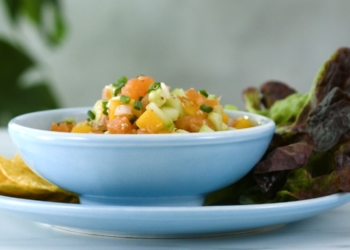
62	53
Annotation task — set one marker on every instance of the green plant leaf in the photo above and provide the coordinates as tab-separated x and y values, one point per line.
36	97
13	8
33	10
13	63
15	97
45	15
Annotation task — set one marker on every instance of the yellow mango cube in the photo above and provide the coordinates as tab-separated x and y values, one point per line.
82	128
242	122
150	122
113	104
225	117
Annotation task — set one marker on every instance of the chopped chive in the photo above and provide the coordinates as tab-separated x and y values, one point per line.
153	87
123	79
204	93
206	108
133	119
91	115
105	108
138	105
125	99
118	87
69	120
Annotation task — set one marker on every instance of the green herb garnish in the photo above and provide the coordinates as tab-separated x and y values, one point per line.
204	93
133	119
154	87
91	115
105	108
138	105
123	79
118	87
206	108
125	99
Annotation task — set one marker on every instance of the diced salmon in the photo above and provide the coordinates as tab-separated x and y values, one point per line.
62	126
137	87
193	123
120	125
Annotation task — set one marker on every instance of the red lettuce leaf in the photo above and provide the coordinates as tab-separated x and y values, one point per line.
273	91
271	173
330	119
309	155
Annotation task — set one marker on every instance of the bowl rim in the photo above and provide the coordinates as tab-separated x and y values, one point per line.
15	126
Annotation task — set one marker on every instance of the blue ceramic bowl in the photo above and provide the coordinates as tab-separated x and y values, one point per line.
148	170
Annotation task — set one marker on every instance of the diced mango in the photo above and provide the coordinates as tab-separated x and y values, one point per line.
242	122
113	104
150	122
225	117
83	128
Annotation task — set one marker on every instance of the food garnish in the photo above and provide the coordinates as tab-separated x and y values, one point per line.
309	155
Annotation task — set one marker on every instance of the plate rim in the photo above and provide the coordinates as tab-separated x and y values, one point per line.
340	196
168	222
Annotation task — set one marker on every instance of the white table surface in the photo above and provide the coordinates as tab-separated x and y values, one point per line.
330	230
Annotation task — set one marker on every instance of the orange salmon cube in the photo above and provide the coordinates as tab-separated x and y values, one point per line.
189	107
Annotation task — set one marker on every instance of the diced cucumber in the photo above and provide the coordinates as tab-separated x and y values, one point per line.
165	90
178	92
175	102
170	112
168	123
98	110
224	126
205	128
160	95
211	97
157	97
216	120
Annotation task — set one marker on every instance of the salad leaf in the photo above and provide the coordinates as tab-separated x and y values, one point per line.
252	101
309	155
273	91
330	119
270	174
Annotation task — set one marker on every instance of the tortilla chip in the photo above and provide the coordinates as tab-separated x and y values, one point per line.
18	180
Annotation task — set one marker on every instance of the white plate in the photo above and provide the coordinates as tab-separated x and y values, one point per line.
168	222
